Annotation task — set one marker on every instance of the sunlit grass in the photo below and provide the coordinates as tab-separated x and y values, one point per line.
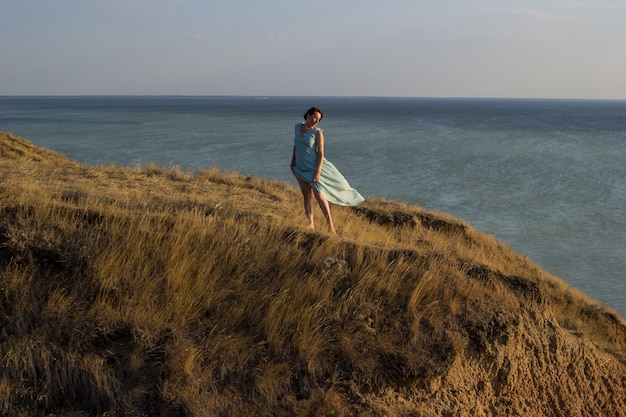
154	291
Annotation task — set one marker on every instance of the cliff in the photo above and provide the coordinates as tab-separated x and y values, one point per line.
151	291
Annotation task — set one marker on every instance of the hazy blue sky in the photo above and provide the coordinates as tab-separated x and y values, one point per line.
418	48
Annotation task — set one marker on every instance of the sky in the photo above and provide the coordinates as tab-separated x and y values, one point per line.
572	49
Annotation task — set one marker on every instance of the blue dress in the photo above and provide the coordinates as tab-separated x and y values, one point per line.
331	184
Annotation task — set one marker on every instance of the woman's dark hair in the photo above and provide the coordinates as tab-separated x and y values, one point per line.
314	110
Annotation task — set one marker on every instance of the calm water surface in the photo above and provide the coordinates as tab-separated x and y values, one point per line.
548	177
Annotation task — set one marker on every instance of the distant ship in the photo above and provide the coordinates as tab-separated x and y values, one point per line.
260	98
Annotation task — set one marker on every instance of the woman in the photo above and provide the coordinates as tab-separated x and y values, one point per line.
316	176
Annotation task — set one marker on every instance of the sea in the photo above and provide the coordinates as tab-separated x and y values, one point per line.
546	177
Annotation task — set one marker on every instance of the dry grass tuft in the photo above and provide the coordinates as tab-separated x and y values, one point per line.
151	291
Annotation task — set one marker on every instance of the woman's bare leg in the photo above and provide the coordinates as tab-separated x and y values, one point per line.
321	200
307	193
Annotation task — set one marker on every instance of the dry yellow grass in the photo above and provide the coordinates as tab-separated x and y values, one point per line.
151	291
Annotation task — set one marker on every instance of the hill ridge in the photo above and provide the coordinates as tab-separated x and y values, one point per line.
151	291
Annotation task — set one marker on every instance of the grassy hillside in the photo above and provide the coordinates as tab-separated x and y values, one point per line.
151	291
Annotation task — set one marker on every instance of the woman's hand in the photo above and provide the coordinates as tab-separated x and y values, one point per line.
319	144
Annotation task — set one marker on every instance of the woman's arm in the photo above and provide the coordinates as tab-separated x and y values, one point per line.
293	159
319	142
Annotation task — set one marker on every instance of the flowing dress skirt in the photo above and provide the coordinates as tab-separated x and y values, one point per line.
333	186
